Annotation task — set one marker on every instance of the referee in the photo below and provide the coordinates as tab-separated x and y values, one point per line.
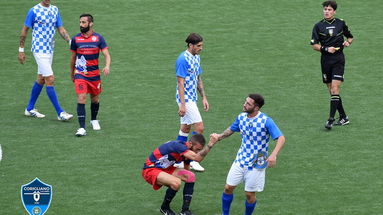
328	38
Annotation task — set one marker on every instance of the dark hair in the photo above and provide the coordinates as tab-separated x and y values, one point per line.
198	138
258	99
330	3
193	38
90	17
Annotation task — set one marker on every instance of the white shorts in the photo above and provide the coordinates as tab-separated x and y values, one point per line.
192	114
254	179
44	64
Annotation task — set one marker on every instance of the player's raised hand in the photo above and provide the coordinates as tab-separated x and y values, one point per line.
213	139
21	57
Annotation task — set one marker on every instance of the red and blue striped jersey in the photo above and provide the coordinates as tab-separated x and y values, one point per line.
87	51
167	154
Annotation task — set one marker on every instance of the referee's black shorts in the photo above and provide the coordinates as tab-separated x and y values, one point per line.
332	67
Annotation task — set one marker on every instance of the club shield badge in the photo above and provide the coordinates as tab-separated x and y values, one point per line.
260	161
36	197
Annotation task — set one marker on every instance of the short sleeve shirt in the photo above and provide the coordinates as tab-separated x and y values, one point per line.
43	21
167	154
188	67
256	133
87	51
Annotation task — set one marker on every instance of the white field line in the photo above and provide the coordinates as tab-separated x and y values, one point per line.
1	153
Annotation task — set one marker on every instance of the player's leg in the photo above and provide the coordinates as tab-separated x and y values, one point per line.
189	178
94	107
234	178
250	203
81	91
338	74
326	66
196	119
254	182
173	183
35	92
184	131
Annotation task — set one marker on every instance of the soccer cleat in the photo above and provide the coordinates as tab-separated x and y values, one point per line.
196	166
167	211
343	121
80	132
329	123
188	212
179	165
95	124
33	113
64	116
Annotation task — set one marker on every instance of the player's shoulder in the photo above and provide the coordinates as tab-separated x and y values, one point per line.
182	56
341	20
54	7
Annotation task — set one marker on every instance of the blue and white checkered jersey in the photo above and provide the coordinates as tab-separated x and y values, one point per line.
188	67
43	21
255	134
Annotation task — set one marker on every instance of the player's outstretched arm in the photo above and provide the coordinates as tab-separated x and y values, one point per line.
181	94
202	154
224	134
272	159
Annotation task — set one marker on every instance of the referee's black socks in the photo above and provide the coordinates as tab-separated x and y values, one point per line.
334	103
342	113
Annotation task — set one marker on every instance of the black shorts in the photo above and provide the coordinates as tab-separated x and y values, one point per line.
332	67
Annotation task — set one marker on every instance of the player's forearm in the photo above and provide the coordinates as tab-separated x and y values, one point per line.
72	65
64	34
316	47
200	88
225	133
202	154
108	60
181	89
23	36
279	145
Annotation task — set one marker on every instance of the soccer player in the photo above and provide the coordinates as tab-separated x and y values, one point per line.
159	170
249	166
328	38
188	73
84	70
43	18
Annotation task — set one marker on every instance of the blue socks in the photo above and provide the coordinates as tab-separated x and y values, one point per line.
81	114
53	97
249	207
35	92
226	202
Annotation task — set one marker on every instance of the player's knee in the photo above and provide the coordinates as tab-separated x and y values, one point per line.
187	176
250	197
199	128
185	128
228	189
176	184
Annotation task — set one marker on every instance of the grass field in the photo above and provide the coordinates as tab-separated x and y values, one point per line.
250	46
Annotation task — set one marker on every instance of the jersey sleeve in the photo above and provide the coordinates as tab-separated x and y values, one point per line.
59	22
181	67
346	31
29	20
315	35
273	129
235	126
103	44
180	148
73	45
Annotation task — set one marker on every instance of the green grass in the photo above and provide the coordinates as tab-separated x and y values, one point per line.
250	46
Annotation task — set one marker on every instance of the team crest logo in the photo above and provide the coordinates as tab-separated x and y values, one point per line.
94	39
36	197
260	162
331	31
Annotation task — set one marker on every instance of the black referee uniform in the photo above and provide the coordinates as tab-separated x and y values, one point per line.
331	34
